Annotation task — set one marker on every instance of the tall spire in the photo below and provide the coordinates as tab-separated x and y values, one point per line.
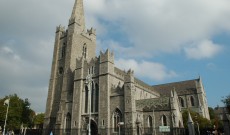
78	14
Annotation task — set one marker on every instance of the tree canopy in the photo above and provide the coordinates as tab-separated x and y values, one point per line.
39	119
211	113
226	101
19	112
203	122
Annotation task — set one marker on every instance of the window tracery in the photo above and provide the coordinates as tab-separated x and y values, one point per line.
117	117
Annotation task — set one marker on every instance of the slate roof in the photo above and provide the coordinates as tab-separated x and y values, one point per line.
162	103
182	88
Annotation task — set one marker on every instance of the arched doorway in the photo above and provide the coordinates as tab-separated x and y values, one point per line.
93	127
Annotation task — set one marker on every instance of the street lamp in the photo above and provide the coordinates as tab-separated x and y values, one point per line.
88	83
6	102
119	125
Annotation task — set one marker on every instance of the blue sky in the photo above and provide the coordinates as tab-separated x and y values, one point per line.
161	40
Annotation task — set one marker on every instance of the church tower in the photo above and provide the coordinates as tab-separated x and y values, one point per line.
71	44
88	93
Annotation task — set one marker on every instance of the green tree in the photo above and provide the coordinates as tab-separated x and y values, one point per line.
39	119
19	112
211	113
215	119
226	101
203	122
27	114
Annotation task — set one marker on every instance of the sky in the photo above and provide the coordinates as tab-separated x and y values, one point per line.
163	41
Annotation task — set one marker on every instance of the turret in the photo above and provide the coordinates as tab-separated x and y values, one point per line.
175	108
60	29
92	34
203	105
129	78
130	107
106	62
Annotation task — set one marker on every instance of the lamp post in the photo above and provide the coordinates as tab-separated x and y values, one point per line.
119	125
88	83
6	102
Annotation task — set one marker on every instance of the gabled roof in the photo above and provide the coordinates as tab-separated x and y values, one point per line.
182	88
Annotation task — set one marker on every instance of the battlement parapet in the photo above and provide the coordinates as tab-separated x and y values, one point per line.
130	72
107	56
93	60
91	31
92	34
60	29
64	34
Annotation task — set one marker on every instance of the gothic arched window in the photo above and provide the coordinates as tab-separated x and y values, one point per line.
68	123
164	120
97	98
86	99
84	51
192	101
92	97
63	52
181	101
180	125
117	117
61	71
92	69
150	122
149	128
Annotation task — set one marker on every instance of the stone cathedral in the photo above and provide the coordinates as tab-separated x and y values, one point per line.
88	93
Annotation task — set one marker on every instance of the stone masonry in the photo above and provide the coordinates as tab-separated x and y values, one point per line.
85	88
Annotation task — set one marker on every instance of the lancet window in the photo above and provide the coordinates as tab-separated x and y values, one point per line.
97	98
86	98
63	52
68	124
94	97
149	127
181	102
192	101
84	51
117	117
164	120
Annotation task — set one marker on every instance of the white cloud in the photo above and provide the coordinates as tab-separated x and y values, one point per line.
8	52
211	66
25	70
149	26
166	25
151	70
204	49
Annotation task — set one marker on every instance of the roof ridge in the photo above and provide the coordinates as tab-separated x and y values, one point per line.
176	82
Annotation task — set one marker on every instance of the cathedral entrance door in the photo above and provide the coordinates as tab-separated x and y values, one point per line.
93	127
